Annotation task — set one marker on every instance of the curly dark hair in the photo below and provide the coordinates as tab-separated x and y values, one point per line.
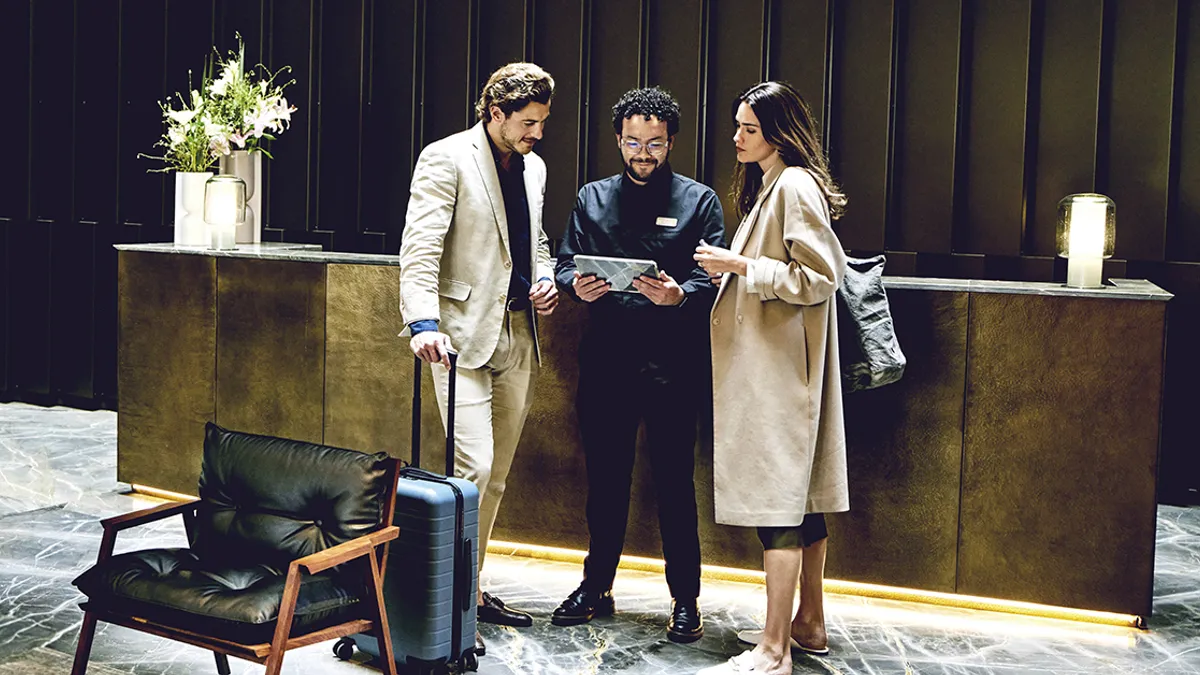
651	102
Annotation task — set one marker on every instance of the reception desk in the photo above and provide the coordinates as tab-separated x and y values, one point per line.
1017	458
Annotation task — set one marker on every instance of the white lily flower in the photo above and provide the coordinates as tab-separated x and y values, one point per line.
181	116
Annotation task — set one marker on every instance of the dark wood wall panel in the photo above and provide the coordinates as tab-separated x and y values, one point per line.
445	106
51	128
799	50
997	63
1183	226
142	73
502	37
955	127
387	120
1137	161
1067	115
339	109
14	114
735	35
5	226
28	278
926	126
673	63
14	192
612	70
861	114
97	105
560	146
72	296
291	44
246	18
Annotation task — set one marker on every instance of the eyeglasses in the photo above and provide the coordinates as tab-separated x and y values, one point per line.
653	147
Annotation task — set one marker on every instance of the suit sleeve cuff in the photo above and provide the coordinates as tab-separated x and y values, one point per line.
422	326
751	279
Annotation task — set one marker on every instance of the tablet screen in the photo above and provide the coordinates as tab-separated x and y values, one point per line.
620	272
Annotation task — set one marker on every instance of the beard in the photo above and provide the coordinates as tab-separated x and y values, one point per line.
516	142
644	169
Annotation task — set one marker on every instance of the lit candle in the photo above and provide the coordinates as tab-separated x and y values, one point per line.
224	208
1085	242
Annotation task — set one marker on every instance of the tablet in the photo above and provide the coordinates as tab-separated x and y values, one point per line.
620	272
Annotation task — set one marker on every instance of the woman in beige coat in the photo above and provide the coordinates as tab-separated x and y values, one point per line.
779	456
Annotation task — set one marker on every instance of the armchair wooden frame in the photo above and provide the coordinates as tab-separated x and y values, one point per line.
370	551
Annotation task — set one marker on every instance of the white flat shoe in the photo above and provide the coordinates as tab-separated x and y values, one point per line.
754	637
742	663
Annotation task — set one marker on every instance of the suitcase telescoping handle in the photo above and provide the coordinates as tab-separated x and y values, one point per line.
416	414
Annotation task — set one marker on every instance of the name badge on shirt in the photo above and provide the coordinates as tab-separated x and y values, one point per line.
663	221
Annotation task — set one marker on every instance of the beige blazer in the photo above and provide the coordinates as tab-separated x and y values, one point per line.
454	255
779	448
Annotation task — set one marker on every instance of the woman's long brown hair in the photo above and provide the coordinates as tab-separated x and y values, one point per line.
788	125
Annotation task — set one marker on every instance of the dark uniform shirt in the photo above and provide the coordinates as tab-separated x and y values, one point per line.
662	221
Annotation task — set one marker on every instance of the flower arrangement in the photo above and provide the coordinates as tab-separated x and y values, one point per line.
185	143
246	107
237	111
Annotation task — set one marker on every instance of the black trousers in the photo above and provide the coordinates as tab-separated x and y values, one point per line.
620	388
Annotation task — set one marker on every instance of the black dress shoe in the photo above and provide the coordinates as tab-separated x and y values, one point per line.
582	606
480	648
494	611
686	624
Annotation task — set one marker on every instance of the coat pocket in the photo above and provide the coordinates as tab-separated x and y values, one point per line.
453	289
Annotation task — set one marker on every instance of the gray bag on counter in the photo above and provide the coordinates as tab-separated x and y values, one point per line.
870	354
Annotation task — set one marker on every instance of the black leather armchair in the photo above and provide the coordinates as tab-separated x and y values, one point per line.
286	546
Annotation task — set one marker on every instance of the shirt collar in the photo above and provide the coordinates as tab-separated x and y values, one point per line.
516	162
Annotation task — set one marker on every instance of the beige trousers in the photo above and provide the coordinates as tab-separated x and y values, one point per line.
492	403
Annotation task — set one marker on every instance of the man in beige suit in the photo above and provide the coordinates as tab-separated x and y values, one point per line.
474	266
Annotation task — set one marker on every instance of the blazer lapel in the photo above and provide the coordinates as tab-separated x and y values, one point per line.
742	236
491	181
534	180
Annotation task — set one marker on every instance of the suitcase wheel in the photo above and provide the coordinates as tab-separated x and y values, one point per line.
344	649
468	663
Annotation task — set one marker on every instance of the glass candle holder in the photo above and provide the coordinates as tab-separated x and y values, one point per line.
1085	236
224	209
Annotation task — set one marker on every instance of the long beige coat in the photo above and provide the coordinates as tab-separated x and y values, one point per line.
454	255
779	437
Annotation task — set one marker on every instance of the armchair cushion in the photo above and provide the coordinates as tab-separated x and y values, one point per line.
240	603
272	500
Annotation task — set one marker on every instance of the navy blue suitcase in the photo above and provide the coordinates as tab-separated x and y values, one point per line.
429	585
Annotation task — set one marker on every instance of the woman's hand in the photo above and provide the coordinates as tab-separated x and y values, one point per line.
717	261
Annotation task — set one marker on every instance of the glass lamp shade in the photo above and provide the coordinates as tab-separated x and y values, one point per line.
1085	236
224	209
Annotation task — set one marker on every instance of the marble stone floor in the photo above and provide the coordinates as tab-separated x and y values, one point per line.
57	478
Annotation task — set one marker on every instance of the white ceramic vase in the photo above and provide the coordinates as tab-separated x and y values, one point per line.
190	228
248	167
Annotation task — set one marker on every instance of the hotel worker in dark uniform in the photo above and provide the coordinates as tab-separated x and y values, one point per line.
644	356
